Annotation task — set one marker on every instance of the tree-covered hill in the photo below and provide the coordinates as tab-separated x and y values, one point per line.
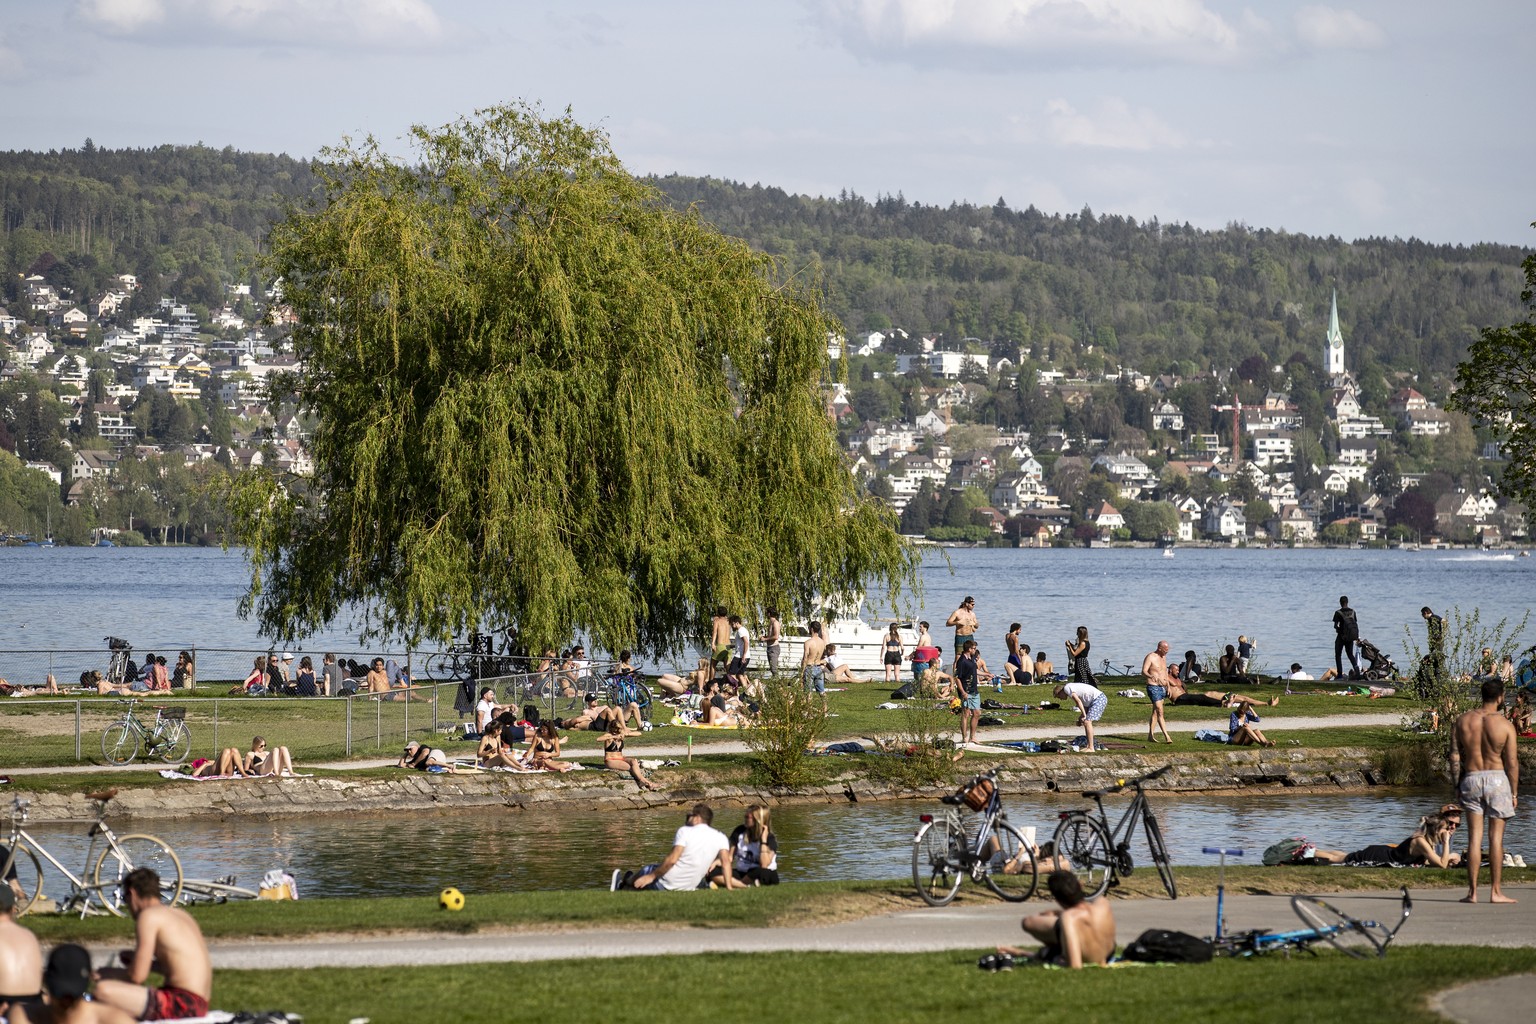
1078	290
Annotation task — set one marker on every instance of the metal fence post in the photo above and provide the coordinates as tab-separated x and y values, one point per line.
410	693
77	730
215	750
349	725
378	724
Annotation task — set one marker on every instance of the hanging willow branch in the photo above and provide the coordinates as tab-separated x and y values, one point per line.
545	397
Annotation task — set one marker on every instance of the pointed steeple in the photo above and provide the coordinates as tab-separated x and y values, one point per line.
1333	344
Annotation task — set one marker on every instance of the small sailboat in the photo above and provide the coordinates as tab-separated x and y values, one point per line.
1167	552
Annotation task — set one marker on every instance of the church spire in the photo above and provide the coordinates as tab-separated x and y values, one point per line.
1333	344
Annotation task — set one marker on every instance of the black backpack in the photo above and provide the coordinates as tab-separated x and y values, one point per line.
1159	946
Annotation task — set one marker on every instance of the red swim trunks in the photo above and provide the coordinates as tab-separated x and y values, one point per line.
173	1003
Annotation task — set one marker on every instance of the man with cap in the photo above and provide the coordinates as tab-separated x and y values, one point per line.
21	959
168	941
67	978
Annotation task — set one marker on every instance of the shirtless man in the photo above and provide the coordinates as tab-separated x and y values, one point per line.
813	672
1487	773
719	640
1082	931
21	959
1154	672
963	621
68	979
378	679
168	942
1212	698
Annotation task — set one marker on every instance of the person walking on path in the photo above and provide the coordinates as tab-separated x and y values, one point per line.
968	689
1487	772
1154	673
963	621
1090	701
1346	631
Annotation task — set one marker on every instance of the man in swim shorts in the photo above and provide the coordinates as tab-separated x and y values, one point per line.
963	621
168	941
1154	672
968	689
1082	931
1487	772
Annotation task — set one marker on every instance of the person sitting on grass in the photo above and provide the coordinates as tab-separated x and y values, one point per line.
1081	932
1243	727
697	848
169	943
67	980
754	856
229	764
544	750
261	761
1519	714
492	753
614	757
256	683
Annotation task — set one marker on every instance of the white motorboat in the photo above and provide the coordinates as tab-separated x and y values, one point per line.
861	645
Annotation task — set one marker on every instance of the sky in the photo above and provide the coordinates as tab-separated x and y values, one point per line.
1393	118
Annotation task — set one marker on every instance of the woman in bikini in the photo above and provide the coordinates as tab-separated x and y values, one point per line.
492	753
544	751
261	761
894	649
613	754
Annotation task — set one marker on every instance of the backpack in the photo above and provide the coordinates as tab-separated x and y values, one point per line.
1159	946
1286	851
990	720
1053	747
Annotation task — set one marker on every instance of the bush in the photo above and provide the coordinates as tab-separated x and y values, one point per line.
923	748
1442	684
790	719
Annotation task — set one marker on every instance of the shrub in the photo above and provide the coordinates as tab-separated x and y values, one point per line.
790	719
922	750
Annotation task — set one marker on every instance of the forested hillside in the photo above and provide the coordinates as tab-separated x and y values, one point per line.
1079	290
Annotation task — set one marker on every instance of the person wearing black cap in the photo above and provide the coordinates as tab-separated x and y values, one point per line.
21	959
67	979
168	941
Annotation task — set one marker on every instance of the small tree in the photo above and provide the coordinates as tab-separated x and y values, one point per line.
790	719
1441	684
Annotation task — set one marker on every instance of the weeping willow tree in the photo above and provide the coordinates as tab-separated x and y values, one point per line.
545	397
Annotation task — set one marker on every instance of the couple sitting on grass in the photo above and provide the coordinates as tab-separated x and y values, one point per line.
231	763
702	856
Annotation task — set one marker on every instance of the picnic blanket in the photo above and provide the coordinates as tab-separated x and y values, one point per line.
171	773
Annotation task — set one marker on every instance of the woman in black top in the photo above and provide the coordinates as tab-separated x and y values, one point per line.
754	853
613	753
1078	652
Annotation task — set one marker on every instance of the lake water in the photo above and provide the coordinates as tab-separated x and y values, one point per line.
501	850
170	598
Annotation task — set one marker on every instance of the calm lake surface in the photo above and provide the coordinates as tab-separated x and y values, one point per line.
171	598
501	850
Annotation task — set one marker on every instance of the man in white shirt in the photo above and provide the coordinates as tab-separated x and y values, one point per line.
696	848
1297	672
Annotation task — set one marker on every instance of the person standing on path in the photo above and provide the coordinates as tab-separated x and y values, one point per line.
1154	673
1487	772
963	621
1090	701
771	638
1346	631
968	689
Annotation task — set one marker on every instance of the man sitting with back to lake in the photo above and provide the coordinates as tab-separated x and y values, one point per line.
1081	932
168	941
697	848
1487	772
21	958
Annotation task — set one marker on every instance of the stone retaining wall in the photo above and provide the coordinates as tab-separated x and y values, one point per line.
1303	770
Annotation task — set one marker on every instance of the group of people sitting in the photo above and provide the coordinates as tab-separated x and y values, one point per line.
703	857
231	763
275	674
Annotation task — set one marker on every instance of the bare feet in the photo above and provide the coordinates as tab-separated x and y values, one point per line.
1469	898
1499	897
1274	702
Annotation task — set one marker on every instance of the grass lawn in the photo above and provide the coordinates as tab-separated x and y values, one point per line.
798	904
857	987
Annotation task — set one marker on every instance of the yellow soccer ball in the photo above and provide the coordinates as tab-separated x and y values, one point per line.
450	899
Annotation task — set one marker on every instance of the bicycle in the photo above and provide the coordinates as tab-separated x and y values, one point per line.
1324	921
169	739
998	856
117	666
454	665
624	689
1101	855
121	855
1107	669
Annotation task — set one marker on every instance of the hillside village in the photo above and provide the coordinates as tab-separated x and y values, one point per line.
144	385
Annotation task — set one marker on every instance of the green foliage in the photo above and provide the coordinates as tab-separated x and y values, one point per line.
790	719
1496	384
543	396
1149	520
952	534
1442	684
921	754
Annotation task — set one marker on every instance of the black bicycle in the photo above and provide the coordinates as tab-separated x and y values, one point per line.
1100	855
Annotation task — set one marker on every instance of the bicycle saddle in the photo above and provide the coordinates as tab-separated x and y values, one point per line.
950	798
102	796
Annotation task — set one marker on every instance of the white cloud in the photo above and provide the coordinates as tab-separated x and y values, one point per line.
1001	33
1112	124
1328	28
291	23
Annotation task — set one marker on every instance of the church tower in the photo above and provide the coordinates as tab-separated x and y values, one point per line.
1333	344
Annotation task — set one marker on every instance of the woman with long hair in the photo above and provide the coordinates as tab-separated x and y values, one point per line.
1077	651
614	757
754	852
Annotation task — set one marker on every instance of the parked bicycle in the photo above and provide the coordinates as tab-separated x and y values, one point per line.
1324	923
624	689
119	665
100	880
983	845
168	738
1101	855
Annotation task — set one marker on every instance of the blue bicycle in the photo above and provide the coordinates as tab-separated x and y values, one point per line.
1324	921
624	689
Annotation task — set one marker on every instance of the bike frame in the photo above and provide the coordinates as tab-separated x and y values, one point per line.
81	891
1121	833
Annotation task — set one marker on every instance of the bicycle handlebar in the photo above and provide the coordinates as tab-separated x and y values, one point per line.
1136	783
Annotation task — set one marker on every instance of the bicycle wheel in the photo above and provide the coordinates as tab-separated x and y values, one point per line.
1160	853
440	667
28	873
120	743
1011	871
642	697
126	853
936	862
1337	928
1085	845
175	742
